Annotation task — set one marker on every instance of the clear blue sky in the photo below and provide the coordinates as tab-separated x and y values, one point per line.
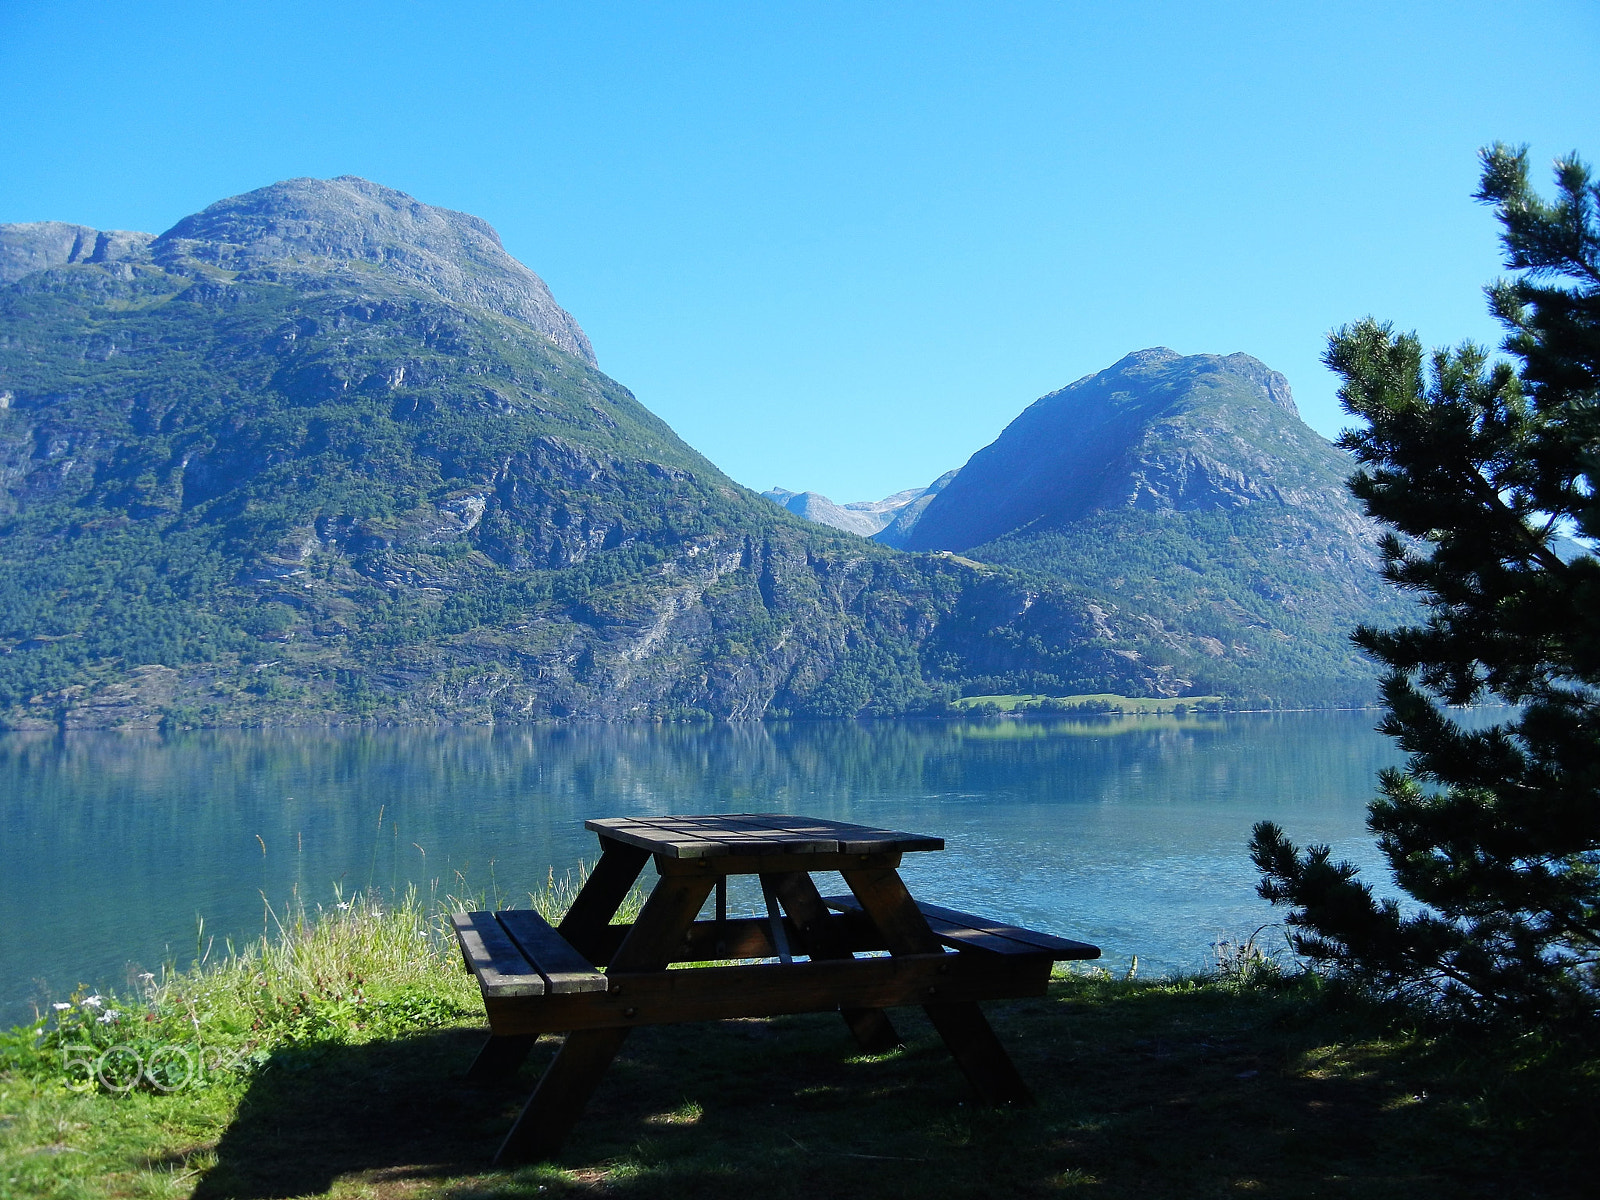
839	246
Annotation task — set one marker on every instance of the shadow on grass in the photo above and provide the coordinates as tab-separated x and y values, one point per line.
399	1109
1142	1094
691	1110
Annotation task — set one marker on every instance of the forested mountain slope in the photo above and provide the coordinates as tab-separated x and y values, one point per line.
1185	496
322	452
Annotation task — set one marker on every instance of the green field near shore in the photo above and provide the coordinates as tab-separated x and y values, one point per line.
1099	702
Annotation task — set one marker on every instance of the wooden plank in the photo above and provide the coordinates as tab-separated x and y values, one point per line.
821	938
749	937
690	837
671	908
964	931
965	939
861	839
785	835
1057	947
883	896
775	919
896	844
772	989
491	956
563	1093
578	1066
966	1032
703	837
563	968
661	842
597	902
656	835
983	1060
743	864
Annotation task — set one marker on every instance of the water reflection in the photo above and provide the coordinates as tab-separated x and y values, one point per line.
1128	832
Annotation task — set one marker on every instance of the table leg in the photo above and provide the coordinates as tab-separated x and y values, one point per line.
801	900
963	1027
602	894
500	1057
576	1070
563	1093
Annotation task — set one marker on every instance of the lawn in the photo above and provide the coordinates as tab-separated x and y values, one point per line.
1197	1087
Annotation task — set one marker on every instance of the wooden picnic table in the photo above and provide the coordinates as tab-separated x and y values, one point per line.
595	981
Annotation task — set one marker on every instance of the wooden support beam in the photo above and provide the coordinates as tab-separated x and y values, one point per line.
964	931
821	939
578	1066
750	937
773	989
760	864
563	1093
962	1025
602	894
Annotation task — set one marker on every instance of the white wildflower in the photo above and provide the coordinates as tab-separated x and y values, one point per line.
109	1017
61	1007
92	1002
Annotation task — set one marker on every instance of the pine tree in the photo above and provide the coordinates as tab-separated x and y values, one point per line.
1481	469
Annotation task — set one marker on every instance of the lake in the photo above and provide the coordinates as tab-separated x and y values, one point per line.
1129	833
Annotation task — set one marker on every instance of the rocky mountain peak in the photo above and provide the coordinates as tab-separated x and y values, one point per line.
1173	372
309	224
39	245
1156	429
300	222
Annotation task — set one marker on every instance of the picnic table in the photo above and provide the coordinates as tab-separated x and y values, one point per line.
595	981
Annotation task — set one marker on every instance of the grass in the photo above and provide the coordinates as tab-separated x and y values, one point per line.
1101	702
349	1031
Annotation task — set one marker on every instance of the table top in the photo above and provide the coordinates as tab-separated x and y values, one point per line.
755	834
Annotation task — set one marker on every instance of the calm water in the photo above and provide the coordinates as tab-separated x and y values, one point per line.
1128	834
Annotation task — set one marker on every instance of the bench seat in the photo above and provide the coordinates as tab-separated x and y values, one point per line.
517	952
964	931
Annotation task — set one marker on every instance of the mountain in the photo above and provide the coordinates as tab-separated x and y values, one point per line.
40	245
814	506
362	225
1183	494
908	514
322	452
867	518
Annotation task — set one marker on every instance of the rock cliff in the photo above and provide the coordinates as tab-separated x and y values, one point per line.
40	245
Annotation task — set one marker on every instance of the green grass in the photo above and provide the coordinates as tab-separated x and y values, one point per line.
353	1028
1101	702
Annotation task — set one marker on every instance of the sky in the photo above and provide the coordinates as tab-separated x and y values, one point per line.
839	246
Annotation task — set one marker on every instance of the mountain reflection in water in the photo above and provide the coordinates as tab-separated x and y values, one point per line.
1125	832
